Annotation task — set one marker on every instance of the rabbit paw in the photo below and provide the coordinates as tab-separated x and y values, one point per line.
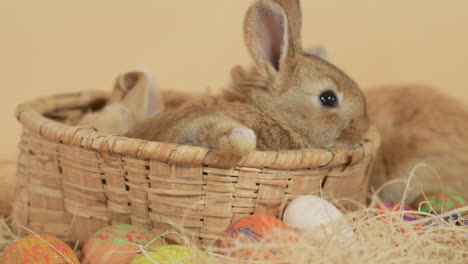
240	141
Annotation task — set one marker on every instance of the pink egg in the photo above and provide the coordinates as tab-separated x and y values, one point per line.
117	244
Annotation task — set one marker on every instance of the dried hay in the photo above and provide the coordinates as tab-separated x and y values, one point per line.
6	235
434	240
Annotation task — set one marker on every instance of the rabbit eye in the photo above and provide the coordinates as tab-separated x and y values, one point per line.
328	99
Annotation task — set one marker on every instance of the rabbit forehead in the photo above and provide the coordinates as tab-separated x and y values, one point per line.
312	68
315	86
315	76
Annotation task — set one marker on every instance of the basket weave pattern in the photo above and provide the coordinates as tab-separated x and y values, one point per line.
73	180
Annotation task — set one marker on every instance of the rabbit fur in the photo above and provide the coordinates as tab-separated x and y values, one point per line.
419	124
274	105
134	99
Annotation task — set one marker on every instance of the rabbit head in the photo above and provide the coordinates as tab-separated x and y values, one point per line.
301	91
134	99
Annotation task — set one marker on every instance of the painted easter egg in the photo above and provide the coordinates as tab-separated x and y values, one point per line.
386	212
438	202
117	244
255	231
39	249
172	254
387	207
317	219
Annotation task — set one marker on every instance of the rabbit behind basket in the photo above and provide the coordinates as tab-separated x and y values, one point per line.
134	99
289	100
419	125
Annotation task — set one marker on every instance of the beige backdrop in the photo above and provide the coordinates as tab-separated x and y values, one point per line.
56	46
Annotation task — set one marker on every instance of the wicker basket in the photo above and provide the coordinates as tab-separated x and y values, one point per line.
73	180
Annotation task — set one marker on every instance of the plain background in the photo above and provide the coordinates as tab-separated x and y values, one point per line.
56	46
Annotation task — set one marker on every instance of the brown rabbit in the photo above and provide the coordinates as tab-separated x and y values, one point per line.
419	125
289	100
134	98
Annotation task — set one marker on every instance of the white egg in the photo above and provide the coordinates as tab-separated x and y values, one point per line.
318	219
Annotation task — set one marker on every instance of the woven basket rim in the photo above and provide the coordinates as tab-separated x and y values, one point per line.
31	115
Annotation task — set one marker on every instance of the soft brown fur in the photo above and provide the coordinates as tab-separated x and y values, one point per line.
134	99
275	104
173	99
419	125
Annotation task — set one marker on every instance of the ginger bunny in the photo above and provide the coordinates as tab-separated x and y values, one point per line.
289	100
419	124
134	99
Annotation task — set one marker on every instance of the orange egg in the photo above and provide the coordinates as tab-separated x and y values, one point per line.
39	249
257	237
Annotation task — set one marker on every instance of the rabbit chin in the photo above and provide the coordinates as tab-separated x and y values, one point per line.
331	145
341	143
344	144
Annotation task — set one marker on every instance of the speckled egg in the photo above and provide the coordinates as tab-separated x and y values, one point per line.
173	254
117	244
244	238
438	202
385	209
317	219
39	249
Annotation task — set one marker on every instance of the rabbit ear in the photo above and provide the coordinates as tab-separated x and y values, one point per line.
271	37
293	12
138	92
237	74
